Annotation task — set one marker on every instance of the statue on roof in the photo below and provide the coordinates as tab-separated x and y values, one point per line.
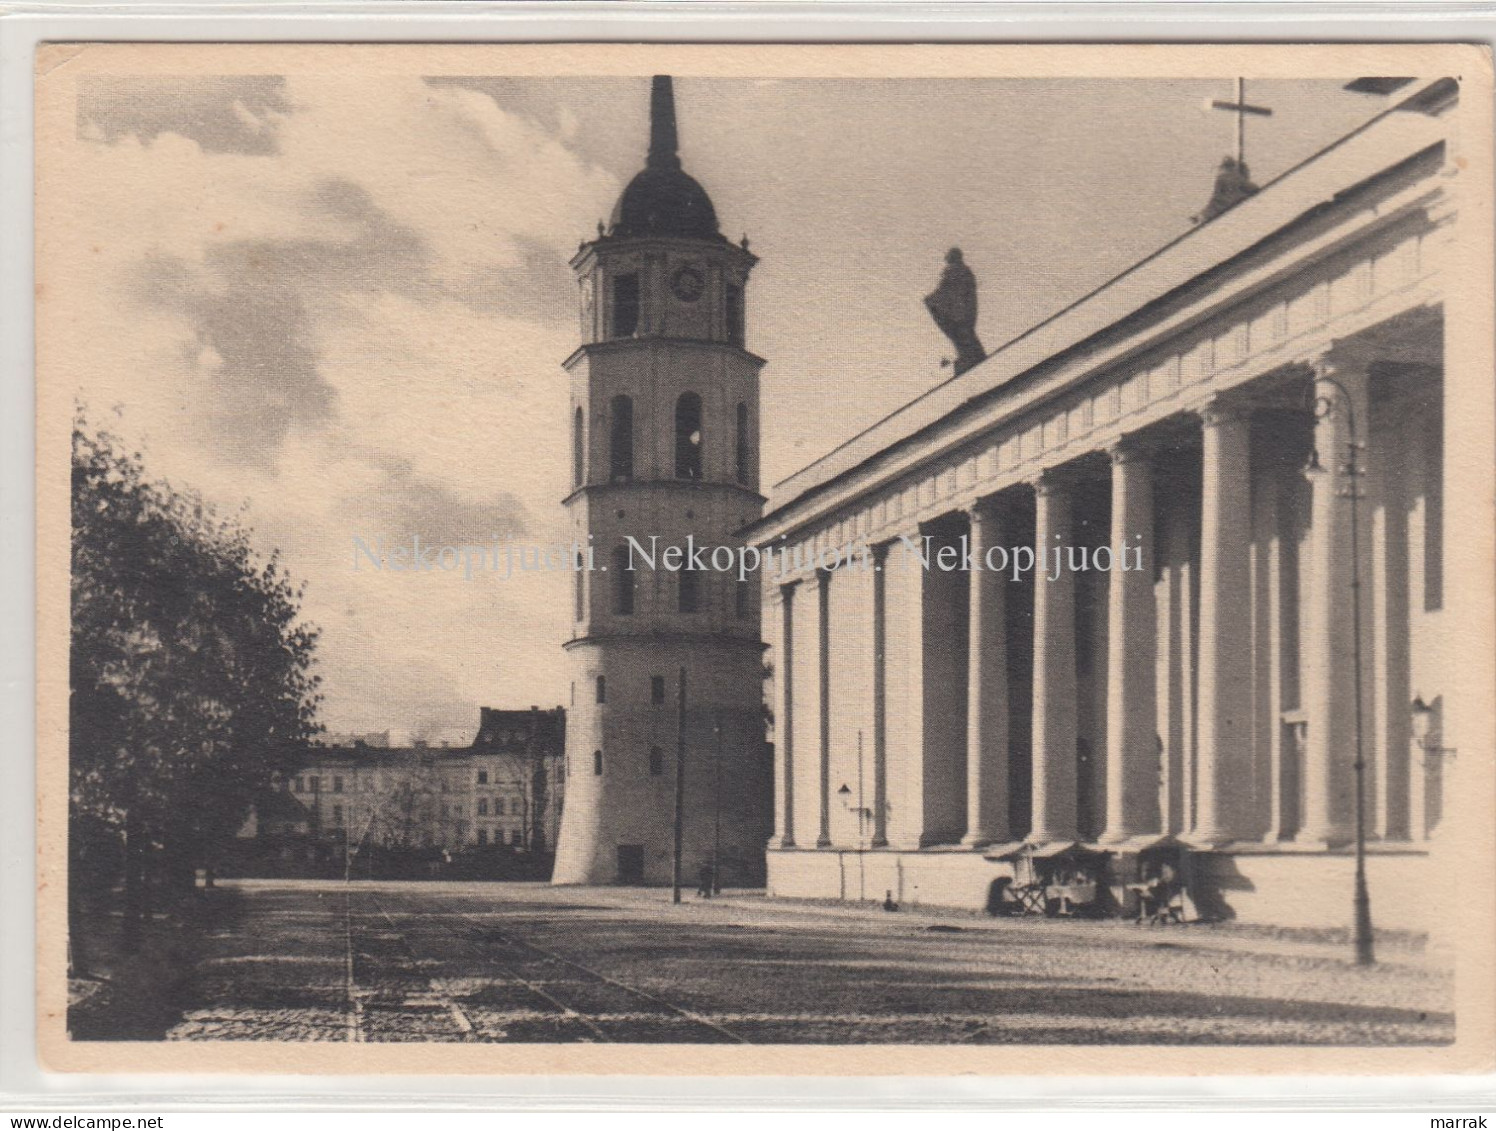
953	305
1233	185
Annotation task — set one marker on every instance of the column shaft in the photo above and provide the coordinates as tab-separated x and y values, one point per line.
823	665
1132	744
1054	747
987	689
784	718
1224	779
1328	648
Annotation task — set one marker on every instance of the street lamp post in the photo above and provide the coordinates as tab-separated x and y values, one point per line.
1324	406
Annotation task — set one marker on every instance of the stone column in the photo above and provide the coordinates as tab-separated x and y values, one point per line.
1132	745
1054	749
823	667
1224	779
987	688
1327	648
880	696
784	719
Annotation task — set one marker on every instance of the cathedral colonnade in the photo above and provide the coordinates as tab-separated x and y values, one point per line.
1193	677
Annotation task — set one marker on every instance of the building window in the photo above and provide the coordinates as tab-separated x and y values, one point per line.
578	592
688	591
688	436
482	806
657	689
337	785
498	806
656	761
482	777
623	582
578	447
621	439
740	599
625	305
482	836
597	762
602	689
735	314
742	443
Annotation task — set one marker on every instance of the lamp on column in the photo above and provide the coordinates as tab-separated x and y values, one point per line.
1426	735
1325	406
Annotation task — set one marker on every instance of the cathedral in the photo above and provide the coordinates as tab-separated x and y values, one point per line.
1256	412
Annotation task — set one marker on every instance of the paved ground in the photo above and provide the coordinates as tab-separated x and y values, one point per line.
520	962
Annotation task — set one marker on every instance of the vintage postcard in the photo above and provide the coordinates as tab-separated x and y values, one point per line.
765	560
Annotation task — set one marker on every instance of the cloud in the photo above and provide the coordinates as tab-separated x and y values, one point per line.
223	114
345	302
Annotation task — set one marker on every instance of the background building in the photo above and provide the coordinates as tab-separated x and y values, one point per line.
422	802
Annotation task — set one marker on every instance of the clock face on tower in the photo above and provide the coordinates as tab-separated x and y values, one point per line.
687	284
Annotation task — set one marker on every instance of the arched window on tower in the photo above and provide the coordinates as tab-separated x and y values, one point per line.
579	593
688	436
742	444
625	305
688	591
735	314
621	439
623	582
578	447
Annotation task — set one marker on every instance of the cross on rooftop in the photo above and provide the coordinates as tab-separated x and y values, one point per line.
1241	108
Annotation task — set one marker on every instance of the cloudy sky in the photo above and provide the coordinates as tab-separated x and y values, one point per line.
340	301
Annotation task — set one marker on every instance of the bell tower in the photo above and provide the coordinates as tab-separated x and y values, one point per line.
664	422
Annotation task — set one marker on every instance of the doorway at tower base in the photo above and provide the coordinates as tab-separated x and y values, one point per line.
1267	885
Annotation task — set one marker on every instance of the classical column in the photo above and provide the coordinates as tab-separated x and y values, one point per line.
987	684
1327	647
784	719
1132	744
1223	777
823	666
880	696
1054	749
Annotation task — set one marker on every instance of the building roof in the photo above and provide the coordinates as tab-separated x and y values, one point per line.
663	200
1047	358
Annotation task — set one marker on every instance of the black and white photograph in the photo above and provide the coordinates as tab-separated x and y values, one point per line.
983	554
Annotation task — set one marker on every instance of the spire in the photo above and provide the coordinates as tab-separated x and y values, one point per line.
662	136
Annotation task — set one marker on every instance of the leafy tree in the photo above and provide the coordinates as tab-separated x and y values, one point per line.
191	675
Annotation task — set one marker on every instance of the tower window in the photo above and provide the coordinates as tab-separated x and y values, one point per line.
688	592
578	447
578	592
656	761
625	305
482	777
742	443
602	689
688	436
657	689
740	599
597	762
621	439
623	583
735	314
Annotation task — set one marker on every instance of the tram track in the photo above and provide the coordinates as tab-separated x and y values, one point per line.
482	937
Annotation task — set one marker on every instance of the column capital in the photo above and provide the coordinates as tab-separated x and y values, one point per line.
978	510
1218	412
1050	481
1129	448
